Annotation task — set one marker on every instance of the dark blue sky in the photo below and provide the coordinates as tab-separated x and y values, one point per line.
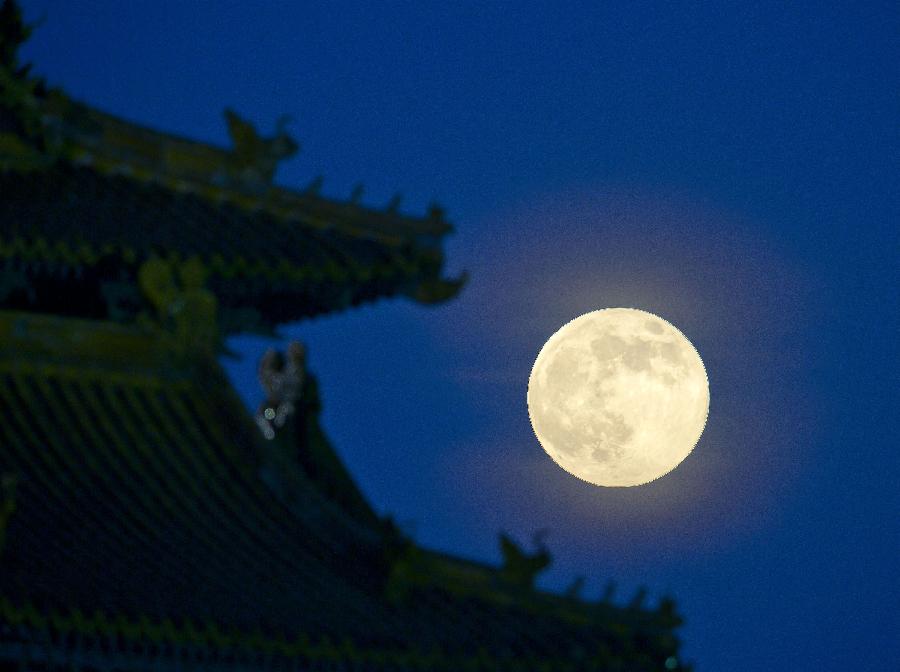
732	168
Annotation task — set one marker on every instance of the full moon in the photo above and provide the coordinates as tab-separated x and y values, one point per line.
618	397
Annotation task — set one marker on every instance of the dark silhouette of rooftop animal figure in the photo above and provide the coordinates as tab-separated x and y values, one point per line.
254	158
519	568
282	379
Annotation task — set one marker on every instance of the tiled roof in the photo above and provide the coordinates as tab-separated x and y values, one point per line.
84	190
140	523
137	494
70	220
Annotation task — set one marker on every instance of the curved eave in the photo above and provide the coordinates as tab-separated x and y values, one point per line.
71	220
277	294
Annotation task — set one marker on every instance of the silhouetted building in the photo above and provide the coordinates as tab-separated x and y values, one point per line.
147	520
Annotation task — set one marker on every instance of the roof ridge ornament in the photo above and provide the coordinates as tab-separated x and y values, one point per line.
393	205
356	193
282	378
183	304
27	140
436	212
520	568
253	159
314	188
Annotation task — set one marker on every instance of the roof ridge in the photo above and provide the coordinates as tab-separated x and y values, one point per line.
116	146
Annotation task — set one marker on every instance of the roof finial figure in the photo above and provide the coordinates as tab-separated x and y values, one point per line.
574	589
435	212
314	188
282	379
394	204
254	158
183	305
520	569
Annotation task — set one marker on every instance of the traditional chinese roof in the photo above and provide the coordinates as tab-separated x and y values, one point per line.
141	526
93	196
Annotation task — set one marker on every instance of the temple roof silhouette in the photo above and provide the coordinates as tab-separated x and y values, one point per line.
148	520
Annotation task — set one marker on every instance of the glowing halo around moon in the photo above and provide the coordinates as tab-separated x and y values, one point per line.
618	397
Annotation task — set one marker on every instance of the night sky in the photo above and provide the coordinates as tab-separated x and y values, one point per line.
731	168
